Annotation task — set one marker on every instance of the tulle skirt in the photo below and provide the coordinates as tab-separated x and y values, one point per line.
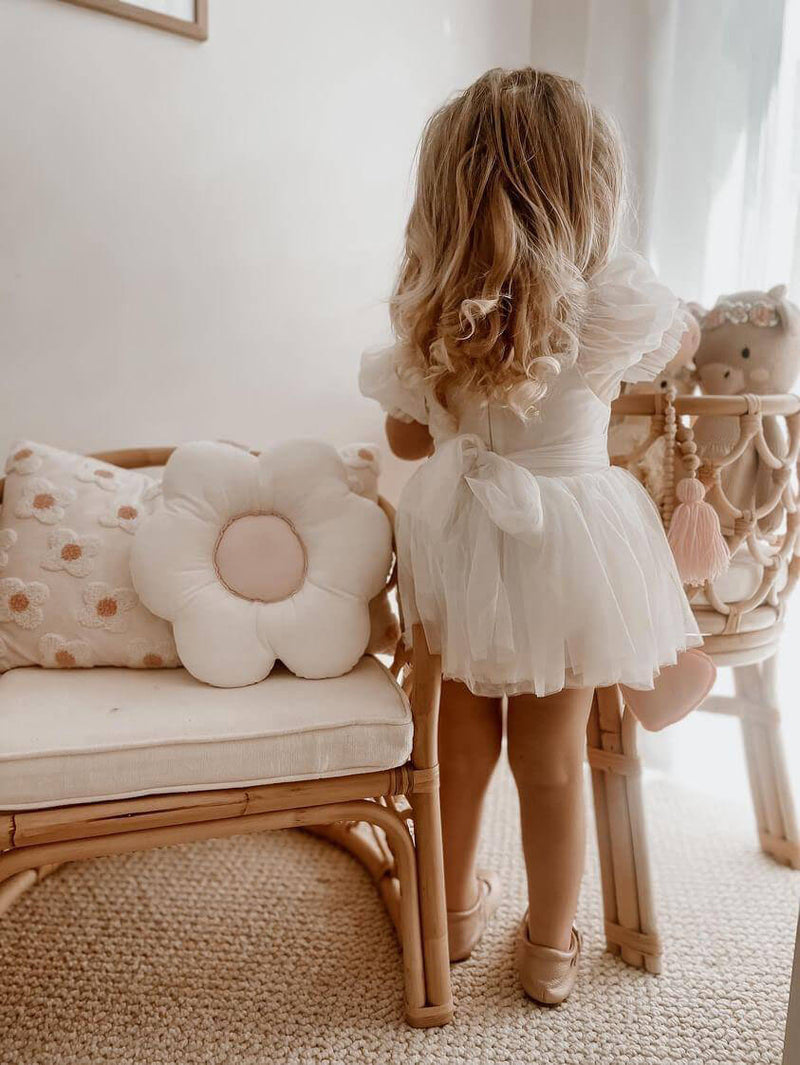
528	582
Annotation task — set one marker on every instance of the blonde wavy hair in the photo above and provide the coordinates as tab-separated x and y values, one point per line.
520	183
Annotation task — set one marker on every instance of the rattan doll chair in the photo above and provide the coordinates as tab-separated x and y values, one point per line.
388	817
741	617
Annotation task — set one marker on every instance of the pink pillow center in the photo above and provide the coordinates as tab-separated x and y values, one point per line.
260	557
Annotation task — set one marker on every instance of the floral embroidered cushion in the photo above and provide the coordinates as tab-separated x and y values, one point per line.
255	559
66	597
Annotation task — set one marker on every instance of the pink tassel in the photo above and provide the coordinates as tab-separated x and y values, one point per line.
695	535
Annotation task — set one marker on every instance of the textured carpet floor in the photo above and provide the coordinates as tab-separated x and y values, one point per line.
275	948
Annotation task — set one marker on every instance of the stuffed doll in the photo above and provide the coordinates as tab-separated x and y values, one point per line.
750	343
629	433
362	462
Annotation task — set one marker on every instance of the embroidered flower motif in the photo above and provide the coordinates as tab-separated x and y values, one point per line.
56	652
42	500
68	551
714	318
104	607
761	312
121	515
259	558
23	460
143	654
93	472
8	537
20	602
764	314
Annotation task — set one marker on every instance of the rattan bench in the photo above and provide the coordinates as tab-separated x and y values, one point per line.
387	817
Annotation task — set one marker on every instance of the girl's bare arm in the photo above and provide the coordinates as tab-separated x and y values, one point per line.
408	440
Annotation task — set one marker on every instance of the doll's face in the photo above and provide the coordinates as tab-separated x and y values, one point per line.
736	358
682	380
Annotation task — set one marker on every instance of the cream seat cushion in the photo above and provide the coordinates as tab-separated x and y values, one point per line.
88	735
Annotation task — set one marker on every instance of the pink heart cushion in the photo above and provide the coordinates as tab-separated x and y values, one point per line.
677	691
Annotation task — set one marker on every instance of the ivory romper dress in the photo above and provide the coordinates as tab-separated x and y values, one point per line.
532	563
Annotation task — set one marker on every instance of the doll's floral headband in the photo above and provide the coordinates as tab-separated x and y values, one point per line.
762	312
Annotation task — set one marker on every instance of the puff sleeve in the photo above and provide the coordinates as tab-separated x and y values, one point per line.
632	329
379	379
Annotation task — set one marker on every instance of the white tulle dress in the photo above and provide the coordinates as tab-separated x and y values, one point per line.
532	564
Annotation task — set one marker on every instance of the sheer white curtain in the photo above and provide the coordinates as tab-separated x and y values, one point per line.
708	96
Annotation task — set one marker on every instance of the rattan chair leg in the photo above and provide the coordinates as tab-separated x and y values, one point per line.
382	867
428	828
357	840
624	860
14	888
648	939
756	706
602	826
433	911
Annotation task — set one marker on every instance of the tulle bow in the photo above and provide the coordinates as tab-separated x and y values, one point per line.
508	492
510	497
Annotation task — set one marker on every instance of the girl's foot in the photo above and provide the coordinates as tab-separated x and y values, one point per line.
465	927
547	975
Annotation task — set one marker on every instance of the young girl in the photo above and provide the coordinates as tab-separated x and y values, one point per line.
538	571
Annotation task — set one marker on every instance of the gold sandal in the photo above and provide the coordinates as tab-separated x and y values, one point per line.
465	927
547	975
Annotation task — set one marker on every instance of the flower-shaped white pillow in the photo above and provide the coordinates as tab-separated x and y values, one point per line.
257	559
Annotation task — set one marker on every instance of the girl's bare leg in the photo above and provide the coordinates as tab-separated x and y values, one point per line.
470	737
546	745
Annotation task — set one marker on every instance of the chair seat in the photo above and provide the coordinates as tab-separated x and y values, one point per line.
742	579
72	736
712	623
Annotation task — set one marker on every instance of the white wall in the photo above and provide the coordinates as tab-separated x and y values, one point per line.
559	36
617	49
197	240
608	46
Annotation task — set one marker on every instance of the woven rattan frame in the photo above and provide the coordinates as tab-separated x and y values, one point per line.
743	635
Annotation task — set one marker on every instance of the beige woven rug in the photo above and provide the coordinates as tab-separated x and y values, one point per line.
275	948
